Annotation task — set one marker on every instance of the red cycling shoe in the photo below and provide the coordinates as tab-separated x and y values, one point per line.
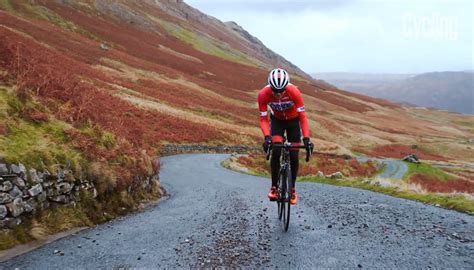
273	194
294	197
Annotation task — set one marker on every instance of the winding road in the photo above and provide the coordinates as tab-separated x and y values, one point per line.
394	169
216	217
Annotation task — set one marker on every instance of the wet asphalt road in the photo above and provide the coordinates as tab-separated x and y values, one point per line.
217	217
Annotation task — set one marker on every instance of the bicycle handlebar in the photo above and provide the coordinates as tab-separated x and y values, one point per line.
298	146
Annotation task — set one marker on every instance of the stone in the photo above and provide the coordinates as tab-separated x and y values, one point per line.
15	169
34	176
336	175
15	192
3	169
25	194
35	190
60	199
60	174
64	188
47	184
19	182
3	211
10	222
29	206
7	186
15	208
43	175
41	197
45	204
320	174
411	158
22	169
52	192
5	198
104	46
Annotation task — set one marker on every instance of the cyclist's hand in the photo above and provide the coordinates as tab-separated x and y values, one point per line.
308	145
266	144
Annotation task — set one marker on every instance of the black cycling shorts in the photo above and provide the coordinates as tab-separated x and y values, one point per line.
292	128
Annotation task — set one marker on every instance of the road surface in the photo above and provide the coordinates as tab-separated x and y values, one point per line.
217	217
394	169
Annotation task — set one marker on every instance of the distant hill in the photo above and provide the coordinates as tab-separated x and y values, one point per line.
452	91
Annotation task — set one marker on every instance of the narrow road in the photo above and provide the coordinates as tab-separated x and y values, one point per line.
219	217
394	169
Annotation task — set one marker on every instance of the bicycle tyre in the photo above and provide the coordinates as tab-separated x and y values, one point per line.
280	194
287	206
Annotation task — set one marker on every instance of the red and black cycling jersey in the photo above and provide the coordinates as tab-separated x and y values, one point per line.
289	106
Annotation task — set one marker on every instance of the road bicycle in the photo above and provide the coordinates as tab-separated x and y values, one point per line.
285	183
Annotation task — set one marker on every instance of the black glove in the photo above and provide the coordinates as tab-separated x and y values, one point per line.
308	145
266	144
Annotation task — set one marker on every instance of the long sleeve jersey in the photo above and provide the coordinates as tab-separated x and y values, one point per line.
289	106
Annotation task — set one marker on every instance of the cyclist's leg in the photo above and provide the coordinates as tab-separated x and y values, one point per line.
276	130
293	132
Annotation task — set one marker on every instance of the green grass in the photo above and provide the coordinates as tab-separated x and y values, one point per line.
43	145
206	44
6	5
426	169
39	145
43	13
212	115
457	202
465	123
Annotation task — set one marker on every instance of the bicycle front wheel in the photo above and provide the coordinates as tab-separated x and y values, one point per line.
281	192
287	184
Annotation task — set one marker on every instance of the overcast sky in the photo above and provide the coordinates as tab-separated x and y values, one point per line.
398	36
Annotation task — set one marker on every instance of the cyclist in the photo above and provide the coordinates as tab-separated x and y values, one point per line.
286	114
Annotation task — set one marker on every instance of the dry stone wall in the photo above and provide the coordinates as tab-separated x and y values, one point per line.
24	191
171	149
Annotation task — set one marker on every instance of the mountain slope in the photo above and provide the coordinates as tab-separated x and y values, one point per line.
452	91
153	72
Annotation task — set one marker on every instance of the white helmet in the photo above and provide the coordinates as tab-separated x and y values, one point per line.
278	79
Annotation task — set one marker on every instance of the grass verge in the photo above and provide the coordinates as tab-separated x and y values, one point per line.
454	201
426	169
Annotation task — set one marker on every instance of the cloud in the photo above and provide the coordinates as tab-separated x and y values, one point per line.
265	6
361	36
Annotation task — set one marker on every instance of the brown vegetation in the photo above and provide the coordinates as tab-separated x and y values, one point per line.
435	185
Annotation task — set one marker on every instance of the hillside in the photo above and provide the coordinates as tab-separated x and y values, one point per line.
101	86
452	91
153	72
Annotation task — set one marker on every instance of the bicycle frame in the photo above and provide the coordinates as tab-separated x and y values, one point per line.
285	180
